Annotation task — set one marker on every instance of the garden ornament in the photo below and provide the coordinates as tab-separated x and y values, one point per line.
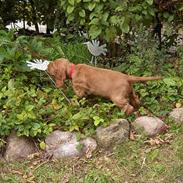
43	65
95	49
38	64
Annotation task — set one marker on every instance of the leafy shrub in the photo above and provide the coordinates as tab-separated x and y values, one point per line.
30	105
108	19
146	59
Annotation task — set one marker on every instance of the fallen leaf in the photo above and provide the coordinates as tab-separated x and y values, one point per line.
132	135
178	105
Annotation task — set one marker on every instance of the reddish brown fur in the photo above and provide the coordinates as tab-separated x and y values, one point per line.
87	80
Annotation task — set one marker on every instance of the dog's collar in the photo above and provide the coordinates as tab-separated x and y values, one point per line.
71	71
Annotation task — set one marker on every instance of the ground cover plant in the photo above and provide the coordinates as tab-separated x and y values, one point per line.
33	107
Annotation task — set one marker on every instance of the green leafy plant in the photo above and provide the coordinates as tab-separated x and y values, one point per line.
31	106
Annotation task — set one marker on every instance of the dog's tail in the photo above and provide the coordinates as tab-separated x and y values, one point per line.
135	79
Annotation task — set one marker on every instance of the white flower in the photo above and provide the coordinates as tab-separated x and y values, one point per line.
38	64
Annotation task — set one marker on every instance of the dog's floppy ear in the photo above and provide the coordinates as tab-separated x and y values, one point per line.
58	70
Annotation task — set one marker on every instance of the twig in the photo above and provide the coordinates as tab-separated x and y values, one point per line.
141	168
60	90
44	162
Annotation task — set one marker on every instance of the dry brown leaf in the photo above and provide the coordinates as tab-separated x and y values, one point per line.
178	105
133	135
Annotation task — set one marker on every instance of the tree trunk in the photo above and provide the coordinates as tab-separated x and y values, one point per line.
34	18
24	15
157	30
47	30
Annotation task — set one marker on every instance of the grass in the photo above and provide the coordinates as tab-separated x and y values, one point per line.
136	161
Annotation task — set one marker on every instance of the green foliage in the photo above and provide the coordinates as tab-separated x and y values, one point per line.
146	59
32	107
28	103
104	19
108	19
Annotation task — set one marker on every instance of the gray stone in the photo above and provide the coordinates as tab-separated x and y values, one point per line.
65	144
89	145
116	133
18	148
150	125
177	115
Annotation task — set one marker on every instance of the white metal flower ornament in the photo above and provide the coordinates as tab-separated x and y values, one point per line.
96	49
38	64
43	65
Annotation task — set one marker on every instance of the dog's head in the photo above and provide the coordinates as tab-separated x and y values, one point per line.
58	70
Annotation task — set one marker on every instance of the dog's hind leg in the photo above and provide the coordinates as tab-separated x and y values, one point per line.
134	100
124	104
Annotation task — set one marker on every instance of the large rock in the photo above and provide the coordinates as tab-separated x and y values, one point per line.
18	148
116	133
177	115
150	125
89	145
65	144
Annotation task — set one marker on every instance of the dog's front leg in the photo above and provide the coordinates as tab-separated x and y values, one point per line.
79	91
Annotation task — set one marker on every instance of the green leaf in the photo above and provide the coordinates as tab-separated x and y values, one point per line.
150	2
22	116
138	17
93	14
114	19
82	13
166	14
169	82
74	127
119	8
36	126
105	16
82	21
95	31
3	54
110	33
70	9
122	19
151	12
91	6
42	145
71	2
97	120
94	21
29	108
11	84
125	28
170	18
99	7
70	18
181	8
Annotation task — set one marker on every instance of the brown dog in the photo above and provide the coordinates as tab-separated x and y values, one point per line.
87	80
